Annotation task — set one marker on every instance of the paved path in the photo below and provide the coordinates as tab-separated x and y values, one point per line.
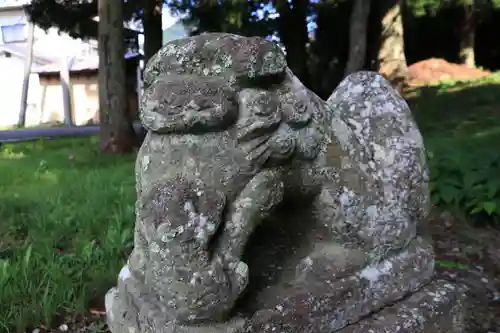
29	134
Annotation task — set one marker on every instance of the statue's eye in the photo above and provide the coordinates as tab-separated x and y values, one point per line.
263	106
264	109
210	91
261	110
300	107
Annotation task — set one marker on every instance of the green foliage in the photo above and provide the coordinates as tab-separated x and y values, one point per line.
466	180
451	264
431	7
67	216
424	7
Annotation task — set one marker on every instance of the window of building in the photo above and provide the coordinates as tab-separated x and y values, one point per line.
14	33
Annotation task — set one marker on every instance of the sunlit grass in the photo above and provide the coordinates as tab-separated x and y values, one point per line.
67	216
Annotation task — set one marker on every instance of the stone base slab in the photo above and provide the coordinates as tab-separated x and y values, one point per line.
330	297
330	293
439	307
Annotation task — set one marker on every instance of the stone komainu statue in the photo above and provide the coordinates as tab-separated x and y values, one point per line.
233	134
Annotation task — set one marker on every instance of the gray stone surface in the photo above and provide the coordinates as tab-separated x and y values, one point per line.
332	296
436	308
262	208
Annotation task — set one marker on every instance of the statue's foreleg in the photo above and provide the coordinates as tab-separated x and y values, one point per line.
257	200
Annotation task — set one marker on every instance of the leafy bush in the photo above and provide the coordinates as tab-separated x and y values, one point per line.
466	179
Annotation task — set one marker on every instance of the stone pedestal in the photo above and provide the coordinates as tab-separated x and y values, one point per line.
439	307
333	290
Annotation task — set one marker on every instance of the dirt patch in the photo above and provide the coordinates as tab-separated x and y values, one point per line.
434	70
470	256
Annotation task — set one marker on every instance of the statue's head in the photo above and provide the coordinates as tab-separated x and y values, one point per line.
224	82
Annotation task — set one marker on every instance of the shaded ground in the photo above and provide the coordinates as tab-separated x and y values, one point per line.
464	254
470	256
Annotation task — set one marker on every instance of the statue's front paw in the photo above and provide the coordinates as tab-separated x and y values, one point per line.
179	211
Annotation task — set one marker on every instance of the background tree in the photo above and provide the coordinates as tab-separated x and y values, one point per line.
357	35
75	17
472	12
391	57
117	136
293	33
329	45
233	16
321	56
152	27
468	34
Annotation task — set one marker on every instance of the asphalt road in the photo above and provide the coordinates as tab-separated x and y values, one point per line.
30	134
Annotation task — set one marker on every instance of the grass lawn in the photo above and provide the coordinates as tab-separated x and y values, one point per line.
67	213
66	218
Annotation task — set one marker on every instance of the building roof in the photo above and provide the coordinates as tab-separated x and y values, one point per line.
12	4
79	64
19	50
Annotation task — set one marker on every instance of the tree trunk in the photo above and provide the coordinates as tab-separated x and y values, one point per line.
357	36
292	29
391	55
117	135
152	23
21	122
64	76
467	36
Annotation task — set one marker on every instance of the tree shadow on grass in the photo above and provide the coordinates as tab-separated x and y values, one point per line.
463	109
63	153
463	117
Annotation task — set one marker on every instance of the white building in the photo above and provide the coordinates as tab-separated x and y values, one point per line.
49	47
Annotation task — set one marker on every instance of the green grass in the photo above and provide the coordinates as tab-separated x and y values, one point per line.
66	219
67	213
